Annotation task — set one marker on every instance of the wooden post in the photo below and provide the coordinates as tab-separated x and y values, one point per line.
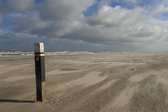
40	72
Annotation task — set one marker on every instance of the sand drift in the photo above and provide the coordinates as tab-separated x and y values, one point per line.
118	82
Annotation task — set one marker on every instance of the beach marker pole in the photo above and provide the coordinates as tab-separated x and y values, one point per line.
40	72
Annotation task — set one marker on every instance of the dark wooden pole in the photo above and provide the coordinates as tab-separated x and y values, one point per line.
40	72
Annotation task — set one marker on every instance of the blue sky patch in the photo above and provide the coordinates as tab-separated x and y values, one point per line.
2	1
92	9
39	1
145	3
6	24
163	16
122	4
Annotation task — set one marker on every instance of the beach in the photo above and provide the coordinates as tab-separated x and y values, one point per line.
98	82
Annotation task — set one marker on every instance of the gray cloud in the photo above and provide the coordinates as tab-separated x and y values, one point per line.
28	23
63	10
62	26
0	18
24	41
9	6
16	41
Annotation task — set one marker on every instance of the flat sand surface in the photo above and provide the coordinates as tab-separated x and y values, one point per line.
117	82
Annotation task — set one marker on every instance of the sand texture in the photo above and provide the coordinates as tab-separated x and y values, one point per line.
117	82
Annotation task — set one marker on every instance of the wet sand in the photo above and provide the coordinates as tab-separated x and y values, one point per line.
118	82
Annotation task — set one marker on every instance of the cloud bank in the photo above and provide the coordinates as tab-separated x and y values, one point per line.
93	25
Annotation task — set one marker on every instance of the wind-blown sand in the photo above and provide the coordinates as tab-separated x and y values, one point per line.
118	82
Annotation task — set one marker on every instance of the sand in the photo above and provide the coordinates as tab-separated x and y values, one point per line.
116	82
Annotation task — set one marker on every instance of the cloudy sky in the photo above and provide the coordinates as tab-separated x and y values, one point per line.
84	25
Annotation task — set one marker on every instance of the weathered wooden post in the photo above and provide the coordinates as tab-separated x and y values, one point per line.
40	72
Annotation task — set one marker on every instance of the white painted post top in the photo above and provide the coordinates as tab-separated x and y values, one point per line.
39	47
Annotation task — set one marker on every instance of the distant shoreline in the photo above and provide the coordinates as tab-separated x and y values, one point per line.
20	53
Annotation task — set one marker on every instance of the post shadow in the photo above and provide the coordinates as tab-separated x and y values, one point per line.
15	101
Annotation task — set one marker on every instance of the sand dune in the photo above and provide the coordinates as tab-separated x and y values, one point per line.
119	82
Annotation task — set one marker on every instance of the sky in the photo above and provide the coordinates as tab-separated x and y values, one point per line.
84	25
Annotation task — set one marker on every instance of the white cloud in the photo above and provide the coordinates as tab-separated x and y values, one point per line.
116	16
120	24
159	10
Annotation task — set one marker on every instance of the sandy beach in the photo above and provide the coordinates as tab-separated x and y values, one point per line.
102	82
